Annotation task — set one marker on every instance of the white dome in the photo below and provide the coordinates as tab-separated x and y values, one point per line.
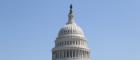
71	43
71	29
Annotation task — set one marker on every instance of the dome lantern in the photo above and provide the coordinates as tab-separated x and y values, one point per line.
71	28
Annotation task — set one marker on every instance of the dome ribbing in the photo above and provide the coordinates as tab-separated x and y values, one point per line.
71	29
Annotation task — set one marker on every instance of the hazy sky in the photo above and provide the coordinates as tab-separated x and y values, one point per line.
28	28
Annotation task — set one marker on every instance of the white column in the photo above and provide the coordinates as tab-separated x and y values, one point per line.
78	53
72	53
82	54
75	53
64	54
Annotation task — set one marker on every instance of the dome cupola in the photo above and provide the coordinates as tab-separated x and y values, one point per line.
71	28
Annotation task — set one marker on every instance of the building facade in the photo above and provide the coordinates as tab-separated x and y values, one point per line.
71	43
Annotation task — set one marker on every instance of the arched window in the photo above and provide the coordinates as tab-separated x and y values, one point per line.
73	42
70	42
76	42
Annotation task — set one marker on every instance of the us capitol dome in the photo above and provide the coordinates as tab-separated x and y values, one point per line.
71	43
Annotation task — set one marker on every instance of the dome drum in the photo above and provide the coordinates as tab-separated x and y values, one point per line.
71	43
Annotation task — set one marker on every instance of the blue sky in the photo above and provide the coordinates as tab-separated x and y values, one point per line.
28	28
